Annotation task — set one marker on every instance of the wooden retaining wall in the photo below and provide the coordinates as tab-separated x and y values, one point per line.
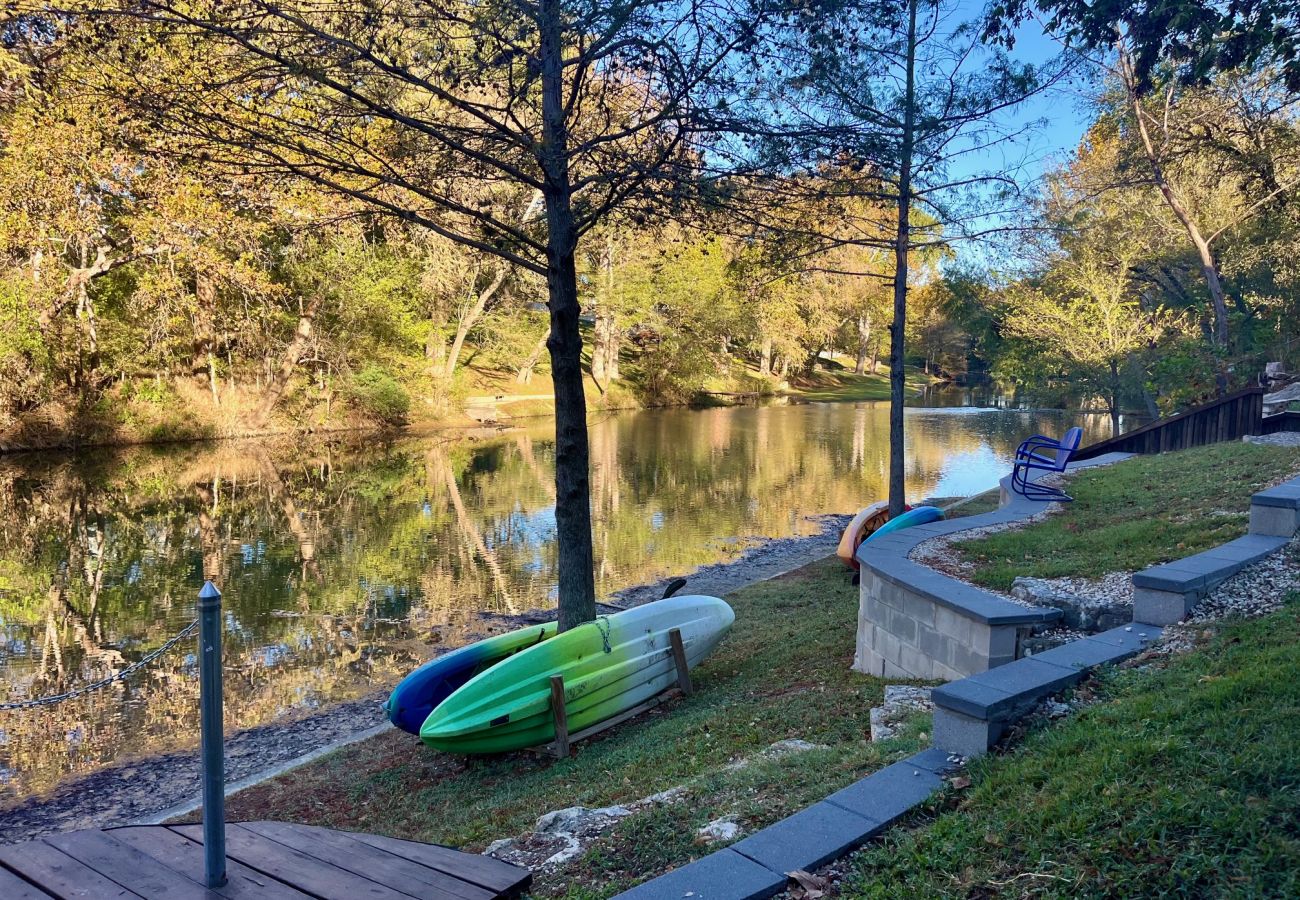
1227	419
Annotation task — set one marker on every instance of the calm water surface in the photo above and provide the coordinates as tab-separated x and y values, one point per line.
344	563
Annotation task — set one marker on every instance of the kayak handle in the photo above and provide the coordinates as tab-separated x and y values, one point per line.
673	587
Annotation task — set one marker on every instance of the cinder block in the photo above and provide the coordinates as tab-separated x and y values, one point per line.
952	625
922	609
932	643
915	661
891	669
963	735
1161	607
1278	521
1002	640
887	646
903	627
967	659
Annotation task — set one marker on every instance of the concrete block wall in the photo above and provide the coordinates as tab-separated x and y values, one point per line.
904	633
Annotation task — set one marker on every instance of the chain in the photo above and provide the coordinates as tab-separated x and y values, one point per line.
105	682
604	632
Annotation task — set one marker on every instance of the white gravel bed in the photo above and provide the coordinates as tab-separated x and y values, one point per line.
1277	439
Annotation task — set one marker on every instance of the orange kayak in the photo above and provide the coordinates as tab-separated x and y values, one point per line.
868	519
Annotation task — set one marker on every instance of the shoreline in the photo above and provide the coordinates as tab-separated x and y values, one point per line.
143	787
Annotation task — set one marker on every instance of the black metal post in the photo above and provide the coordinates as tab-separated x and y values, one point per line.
212	738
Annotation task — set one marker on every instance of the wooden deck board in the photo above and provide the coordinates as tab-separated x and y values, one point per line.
264	860
183	855
60	874
12	887
360	858
302	870
485	871
126	865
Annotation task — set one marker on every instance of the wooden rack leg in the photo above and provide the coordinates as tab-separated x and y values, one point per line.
679	659
561	745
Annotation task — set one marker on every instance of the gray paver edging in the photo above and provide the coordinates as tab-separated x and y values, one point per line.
758	866
1167	593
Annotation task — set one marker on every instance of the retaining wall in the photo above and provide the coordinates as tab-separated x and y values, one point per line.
916	623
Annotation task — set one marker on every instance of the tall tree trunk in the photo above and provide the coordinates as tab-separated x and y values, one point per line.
524	374
577	585
279	380
1209	266
600	350
902	243
204	362
864	344
470	319
1113	400
765	358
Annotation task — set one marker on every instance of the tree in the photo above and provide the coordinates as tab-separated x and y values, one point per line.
895	103
1081	321
1198	36
411	110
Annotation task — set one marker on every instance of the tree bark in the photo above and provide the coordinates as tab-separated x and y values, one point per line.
470	319
279	381
864	344
902	243
204	362
765	358
524	374
577	586
1209	266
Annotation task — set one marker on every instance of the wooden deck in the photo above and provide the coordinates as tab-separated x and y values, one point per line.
272	860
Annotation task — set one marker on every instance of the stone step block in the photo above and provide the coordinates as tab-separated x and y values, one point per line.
808	839
1007	691
724	875
886	796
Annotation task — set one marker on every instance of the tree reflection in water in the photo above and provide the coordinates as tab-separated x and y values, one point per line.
343	562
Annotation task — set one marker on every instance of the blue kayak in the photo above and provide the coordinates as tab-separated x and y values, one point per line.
419	693
921	515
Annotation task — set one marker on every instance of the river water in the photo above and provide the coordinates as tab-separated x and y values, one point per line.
344	563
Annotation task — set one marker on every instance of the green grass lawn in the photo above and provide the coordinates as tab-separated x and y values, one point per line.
844	385
1131	515
1179	782
782	672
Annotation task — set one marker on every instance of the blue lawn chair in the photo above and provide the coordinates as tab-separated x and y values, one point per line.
1043	454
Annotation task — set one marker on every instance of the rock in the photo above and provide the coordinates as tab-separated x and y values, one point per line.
1278	400
579	819
719	830
1097	610
791	745
558	837
901	702
672	795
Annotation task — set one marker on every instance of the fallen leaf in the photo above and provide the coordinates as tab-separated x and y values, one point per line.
813	886
961	782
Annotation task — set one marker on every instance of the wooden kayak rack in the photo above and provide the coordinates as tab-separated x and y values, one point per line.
559	748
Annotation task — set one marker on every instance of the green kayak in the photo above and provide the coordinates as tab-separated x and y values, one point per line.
609	666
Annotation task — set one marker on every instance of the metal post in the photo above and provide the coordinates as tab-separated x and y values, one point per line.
212	739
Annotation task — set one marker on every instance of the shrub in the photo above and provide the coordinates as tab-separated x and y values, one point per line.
375	392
